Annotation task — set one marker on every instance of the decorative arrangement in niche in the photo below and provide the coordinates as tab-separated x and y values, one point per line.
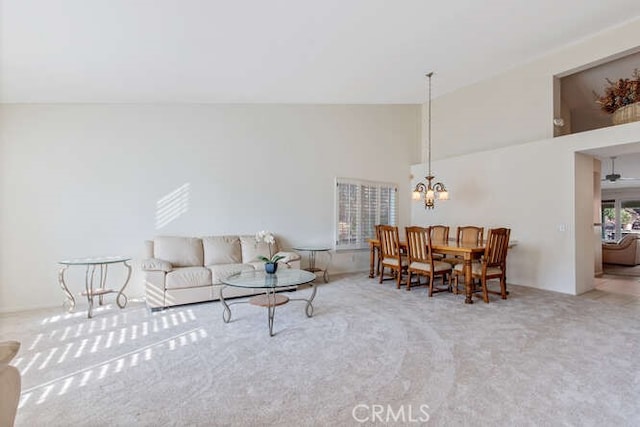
622	99
627	114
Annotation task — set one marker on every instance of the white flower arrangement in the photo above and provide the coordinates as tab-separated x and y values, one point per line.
268	238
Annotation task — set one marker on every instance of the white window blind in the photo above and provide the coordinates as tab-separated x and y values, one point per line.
360	205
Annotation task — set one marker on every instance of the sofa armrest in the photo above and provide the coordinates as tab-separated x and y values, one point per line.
155	264
288	257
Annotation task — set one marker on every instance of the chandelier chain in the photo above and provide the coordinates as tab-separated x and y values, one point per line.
429	121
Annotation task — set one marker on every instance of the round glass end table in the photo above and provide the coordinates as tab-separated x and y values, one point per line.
101	263
313	267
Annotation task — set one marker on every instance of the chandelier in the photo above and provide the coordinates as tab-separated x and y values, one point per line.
429	190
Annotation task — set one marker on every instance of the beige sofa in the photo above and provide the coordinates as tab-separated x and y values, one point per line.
181	270
624	252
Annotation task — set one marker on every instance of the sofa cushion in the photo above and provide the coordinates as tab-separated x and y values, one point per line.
188	277
222	250
252	249
179	251
220	271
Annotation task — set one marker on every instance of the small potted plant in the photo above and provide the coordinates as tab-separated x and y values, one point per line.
271	263
622	99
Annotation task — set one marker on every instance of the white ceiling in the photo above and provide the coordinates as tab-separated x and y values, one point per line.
277	51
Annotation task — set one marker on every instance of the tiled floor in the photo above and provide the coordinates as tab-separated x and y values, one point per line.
621	270
622	289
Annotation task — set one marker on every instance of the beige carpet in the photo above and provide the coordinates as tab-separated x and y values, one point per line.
381	354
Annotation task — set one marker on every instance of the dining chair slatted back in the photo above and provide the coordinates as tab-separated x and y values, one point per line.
392	256
440	234
494	262
495	254
470	235
419	244
421	260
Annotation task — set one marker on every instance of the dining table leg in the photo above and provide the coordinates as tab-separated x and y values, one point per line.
468	279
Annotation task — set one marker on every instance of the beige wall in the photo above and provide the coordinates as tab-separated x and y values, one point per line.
85	180
543	191
517	106
597	216
493	141
584	224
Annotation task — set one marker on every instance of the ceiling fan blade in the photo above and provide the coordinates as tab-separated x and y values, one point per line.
621	180
615	177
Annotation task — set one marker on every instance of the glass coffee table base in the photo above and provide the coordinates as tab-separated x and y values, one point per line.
270	300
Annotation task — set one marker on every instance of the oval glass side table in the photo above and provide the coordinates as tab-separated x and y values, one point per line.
313	266
92	264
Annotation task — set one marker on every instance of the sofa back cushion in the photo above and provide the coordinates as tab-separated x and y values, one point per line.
252	249
222	250
179	251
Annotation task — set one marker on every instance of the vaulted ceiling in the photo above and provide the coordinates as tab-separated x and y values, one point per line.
278	51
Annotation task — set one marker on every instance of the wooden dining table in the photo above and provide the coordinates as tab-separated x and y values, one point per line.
469	253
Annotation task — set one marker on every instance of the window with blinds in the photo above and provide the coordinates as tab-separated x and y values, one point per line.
360	205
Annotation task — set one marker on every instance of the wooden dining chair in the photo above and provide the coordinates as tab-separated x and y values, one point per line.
470	235
439	235
392	257
421	260
493	264
379	252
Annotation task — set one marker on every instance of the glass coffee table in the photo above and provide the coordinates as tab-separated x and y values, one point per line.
270	284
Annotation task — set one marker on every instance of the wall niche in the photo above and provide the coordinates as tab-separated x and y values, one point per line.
575	107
